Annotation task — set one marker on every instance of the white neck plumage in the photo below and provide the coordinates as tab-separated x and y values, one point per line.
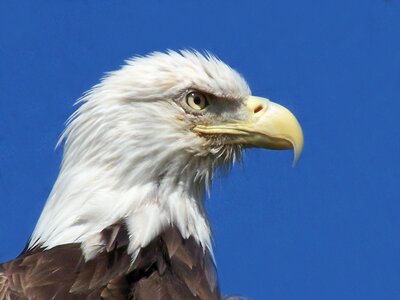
87	199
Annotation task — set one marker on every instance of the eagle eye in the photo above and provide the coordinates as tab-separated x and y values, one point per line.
197	100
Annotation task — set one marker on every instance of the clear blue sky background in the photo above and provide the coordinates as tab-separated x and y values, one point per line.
327	229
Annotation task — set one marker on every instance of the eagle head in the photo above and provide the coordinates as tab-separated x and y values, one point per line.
144	143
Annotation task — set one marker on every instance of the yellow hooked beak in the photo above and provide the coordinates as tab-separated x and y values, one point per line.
269	125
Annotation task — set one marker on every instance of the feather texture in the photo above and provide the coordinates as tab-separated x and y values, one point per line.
130	154
169	267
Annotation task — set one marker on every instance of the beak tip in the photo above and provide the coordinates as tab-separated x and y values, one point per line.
297	142
297	150
295	159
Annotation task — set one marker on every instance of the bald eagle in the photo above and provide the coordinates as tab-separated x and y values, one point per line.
126	218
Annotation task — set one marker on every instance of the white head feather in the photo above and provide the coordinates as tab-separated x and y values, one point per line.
130	154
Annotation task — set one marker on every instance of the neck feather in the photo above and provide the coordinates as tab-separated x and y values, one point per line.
85	200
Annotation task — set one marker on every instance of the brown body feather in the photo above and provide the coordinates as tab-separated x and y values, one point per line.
170	267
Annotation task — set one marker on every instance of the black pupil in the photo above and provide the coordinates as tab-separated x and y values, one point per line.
197	100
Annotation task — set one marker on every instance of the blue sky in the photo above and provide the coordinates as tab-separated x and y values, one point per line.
327	229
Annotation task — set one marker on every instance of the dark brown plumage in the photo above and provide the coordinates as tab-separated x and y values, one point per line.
170	267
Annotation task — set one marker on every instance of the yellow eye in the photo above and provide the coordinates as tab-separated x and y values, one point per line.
196	100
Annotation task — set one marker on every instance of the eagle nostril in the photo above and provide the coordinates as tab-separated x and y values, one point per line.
258	109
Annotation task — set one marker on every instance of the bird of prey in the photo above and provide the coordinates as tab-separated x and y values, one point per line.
125	218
